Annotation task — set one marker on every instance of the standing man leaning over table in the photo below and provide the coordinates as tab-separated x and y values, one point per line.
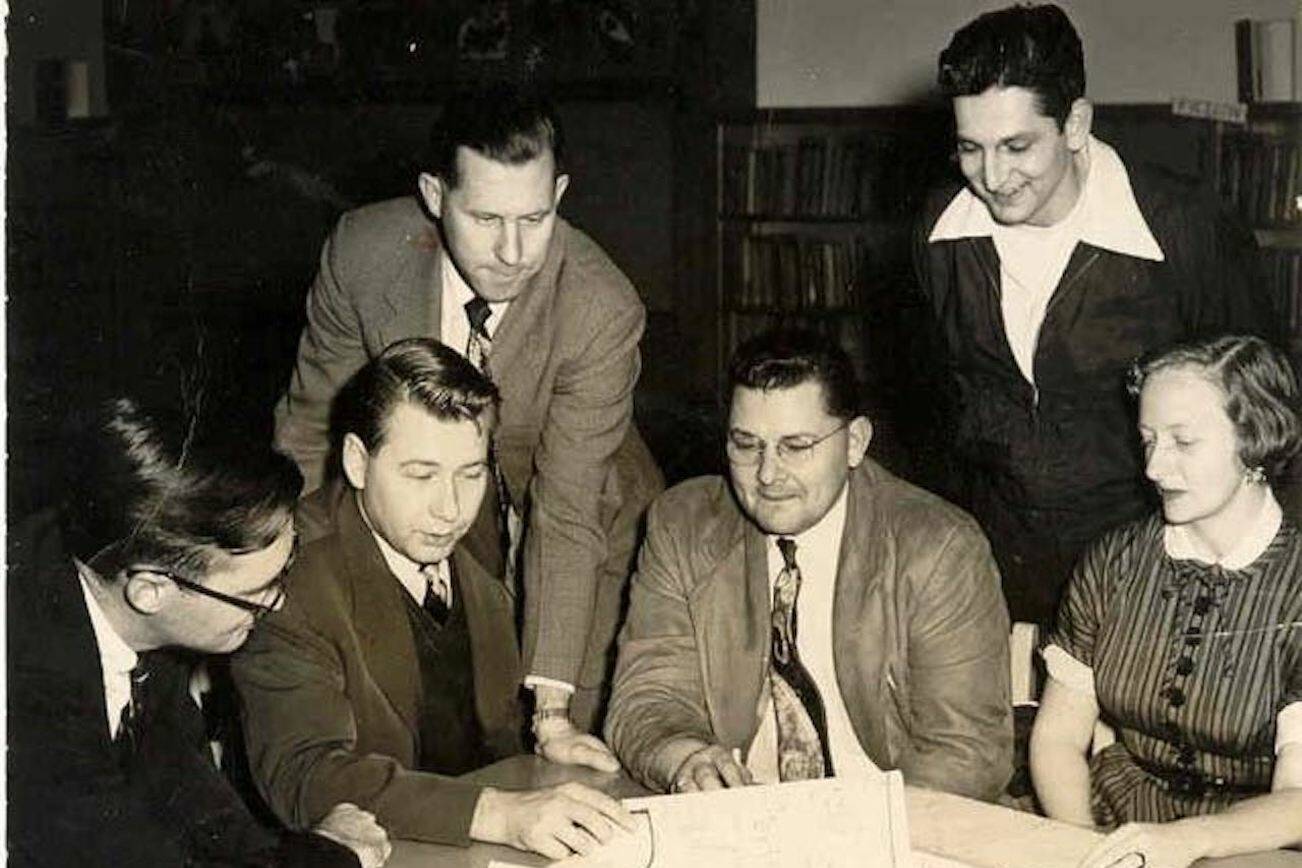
1056	266
537	305
813	614
393	665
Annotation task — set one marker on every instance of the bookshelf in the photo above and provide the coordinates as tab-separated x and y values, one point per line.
814	210
1259	173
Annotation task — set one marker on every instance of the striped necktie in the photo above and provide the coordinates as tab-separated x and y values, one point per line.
479	348
803	751
479	345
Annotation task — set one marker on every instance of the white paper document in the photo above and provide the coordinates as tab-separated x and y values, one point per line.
828	822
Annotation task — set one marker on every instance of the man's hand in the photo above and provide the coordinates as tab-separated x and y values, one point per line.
357	830
561	742
555	821
1147	845
711	768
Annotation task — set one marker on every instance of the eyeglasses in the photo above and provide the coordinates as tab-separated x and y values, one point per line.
746	449
258	610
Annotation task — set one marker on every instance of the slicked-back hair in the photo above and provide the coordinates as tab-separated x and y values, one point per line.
419	371
784	358
172	490
506	122
1035	47
1260	388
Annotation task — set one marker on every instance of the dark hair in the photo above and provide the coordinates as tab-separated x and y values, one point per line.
1261	393
1034	47
783	358
172	491
421	371
500	120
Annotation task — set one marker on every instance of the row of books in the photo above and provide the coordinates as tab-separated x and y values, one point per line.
1262	176
1283	270
794	272
815	177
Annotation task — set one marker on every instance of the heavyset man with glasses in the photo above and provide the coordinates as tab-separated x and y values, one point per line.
176	541
812	615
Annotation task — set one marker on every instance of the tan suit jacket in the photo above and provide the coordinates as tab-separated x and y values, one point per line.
330	689
920	636
565	358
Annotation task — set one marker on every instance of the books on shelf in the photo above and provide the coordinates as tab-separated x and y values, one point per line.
793	272
1261	175
814	176
1283	273
1269	60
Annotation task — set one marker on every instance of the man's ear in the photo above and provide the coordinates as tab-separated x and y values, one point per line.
355	459
562	184
1080	120
432	190
146	590
861	434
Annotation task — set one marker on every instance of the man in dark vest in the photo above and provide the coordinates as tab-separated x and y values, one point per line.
393	666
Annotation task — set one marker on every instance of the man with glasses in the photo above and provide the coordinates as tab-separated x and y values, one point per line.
817	616
176	540
393	666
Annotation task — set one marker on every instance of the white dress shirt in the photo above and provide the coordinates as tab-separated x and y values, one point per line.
454	325
818	551
408	573
116	658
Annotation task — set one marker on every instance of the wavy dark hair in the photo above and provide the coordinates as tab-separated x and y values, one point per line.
1035	47
503	121
172	490
783	358
1260	388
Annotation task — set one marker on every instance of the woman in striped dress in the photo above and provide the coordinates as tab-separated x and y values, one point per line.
1183	631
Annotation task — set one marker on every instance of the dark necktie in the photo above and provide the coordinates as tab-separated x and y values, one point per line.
438	594
803	751
128	735
479	346
479	349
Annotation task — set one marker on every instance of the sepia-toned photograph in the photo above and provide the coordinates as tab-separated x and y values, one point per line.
653	433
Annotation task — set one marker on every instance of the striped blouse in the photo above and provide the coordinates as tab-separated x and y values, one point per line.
1192	664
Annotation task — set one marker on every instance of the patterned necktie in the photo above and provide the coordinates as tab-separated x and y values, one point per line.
479	349
438	594
479	346
803	751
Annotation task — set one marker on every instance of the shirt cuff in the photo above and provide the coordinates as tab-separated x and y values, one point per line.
1068	671
539	681
1288	727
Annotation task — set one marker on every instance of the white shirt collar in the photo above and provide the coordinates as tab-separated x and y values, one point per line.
404	569
823	536
116	657
456	292
1110	216
1180	545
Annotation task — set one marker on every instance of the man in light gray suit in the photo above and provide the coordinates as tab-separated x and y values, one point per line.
536	304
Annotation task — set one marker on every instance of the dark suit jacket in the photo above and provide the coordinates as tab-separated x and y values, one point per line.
565	358
920	636
330	688
72	801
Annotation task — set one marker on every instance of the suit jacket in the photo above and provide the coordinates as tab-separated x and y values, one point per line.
330	687
565	358
72	799
920	636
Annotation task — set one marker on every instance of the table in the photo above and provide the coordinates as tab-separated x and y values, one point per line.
945	830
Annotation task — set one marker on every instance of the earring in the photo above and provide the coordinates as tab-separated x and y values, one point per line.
1254	475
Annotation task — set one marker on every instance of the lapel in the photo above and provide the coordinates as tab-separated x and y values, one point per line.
731	616
495	654
379	614
858	636
410	302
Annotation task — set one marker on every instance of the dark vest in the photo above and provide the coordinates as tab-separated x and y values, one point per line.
451	738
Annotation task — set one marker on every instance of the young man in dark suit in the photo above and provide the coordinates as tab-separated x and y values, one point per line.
393	665
176	540
481	260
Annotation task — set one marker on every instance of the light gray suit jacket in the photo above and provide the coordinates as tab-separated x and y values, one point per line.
565	358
